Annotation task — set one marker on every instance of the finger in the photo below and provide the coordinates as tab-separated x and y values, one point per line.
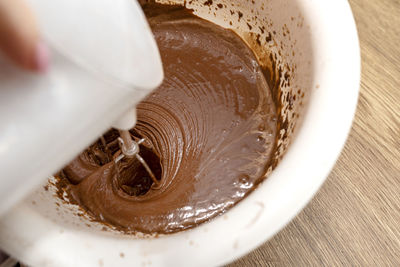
19	36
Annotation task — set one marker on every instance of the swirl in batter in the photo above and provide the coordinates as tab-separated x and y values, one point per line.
210	133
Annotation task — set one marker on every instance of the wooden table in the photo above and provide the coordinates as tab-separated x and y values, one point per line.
354	220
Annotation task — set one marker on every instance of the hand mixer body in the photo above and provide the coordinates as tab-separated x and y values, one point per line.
46	120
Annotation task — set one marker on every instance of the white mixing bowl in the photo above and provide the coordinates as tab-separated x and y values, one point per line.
318	41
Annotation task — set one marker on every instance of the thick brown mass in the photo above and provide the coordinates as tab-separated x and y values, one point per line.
210	133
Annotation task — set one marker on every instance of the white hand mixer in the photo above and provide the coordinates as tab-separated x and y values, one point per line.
104	61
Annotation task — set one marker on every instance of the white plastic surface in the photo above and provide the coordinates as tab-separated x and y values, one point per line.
104	61
109	37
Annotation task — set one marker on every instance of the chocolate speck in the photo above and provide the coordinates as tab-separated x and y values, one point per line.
208	3
220	5
240	15
290	100
250	27
268	38
287	76
258	39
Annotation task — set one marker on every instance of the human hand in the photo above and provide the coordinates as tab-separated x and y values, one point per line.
19	36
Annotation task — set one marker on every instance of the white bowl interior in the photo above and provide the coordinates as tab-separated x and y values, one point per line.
302	39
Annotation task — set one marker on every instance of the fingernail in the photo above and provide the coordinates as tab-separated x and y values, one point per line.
42	57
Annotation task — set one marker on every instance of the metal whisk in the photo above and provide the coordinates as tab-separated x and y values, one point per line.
130	148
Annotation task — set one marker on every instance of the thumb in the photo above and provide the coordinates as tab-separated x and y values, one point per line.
19	37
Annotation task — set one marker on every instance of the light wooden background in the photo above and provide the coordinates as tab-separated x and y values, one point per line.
354	220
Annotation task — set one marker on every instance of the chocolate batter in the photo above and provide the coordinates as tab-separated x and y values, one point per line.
210	133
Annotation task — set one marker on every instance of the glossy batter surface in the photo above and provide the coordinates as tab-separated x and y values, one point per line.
210	131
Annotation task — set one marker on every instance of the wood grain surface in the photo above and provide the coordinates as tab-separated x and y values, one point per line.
354	220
